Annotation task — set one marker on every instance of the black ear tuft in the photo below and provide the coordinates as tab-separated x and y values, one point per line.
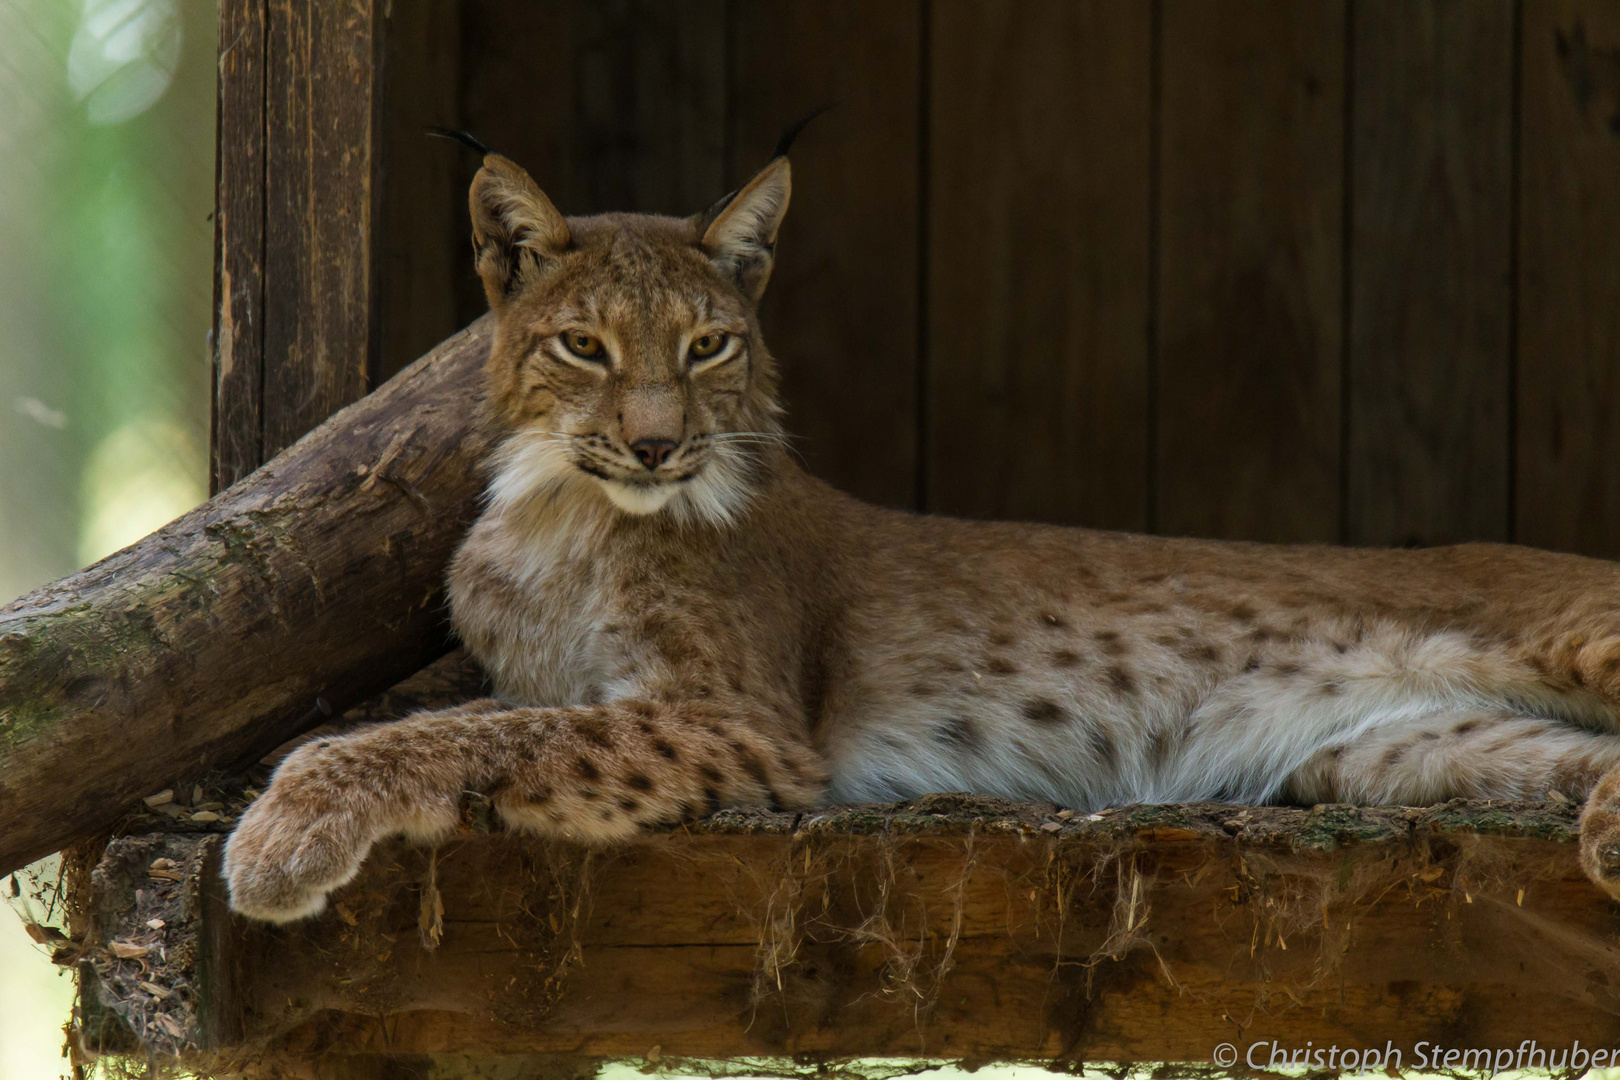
461	137
786	141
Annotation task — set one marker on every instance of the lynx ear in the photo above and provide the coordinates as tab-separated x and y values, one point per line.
515	227
739	232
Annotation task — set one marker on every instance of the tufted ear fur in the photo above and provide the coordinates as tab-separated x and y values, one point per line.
516	230
739	232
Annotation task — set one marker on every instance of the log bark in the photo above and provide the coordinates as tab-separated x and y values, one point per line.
308	586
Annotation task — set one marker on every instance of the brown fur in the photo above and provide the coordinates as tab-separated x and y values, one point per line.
721	629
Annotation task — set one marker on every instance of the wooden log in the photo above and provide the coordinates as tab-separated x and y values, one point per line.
947	927
308	586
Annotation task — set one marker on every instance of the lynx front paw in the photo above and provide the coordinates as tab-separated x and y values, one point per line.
280	863
1600	835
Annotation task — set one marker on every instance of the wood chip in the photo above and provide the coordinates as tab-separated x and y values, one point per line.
430	921
346	915
165	870
171	1025
1052	826
155	990
196	795
205	816
1558	797
164	796
1065	815
128	950
155	924
43	935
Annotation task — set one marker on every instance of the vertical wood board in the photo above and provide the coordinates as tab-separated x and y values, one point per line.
319	208
239	316
1038	244
422	226
840	314
1568	376
1431	294
1250	269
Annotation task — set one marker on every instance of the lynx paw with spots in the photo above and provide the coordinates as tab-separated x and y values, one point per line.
310	832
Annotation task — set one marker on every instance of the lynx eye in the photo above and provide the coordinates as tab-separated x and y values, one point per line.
706	345
582	345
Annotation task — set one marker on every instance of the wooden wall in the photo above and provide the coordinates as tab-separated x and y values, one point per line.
1335	270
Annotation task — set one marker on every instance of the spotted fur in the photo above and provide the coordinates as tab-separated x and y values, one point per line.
721	629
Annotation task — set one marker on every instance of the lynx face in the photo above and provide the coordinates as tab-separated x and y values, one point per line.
628	353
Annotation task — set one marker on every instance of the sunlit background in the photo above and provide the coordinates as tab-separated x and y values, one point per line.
106	187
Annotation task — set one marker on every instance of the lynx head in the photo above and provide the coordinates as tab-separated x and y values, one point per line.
627	360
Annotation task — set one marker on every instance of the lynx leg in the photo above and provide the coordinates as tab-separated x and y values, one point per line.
593	774
1476	753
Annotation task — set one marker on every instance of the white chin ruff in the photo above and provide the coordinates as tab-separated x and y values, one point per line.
638	498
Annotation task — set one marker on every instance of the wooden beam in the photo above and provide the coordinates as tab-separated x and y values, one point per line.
297	202
949	926
238	403
313	584
320	208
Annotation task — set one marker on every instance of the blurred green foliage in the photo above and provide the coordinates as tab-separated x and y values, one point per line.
106	188
106	180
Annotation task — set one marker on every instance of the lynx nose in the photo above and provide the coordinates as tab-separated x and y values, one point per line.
653	452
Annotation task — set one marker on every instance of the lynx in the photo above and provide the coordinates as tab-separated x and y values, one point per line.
677	618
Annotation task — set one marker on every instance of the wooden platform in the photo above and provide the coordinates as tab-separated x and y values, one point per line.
948	927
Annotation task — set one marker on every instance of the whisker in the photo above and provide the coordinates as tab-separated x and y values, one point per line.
779	435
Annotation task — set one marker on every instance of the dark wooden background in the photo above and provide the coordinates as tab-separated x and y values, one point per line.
1336	270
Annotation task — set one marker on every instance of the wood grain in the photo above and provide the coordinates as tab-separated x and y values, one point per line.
1568	489
841	311
317	581
239	315
422	230
1251	260
950	927
1431	277
651	100
320	191
1040	132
